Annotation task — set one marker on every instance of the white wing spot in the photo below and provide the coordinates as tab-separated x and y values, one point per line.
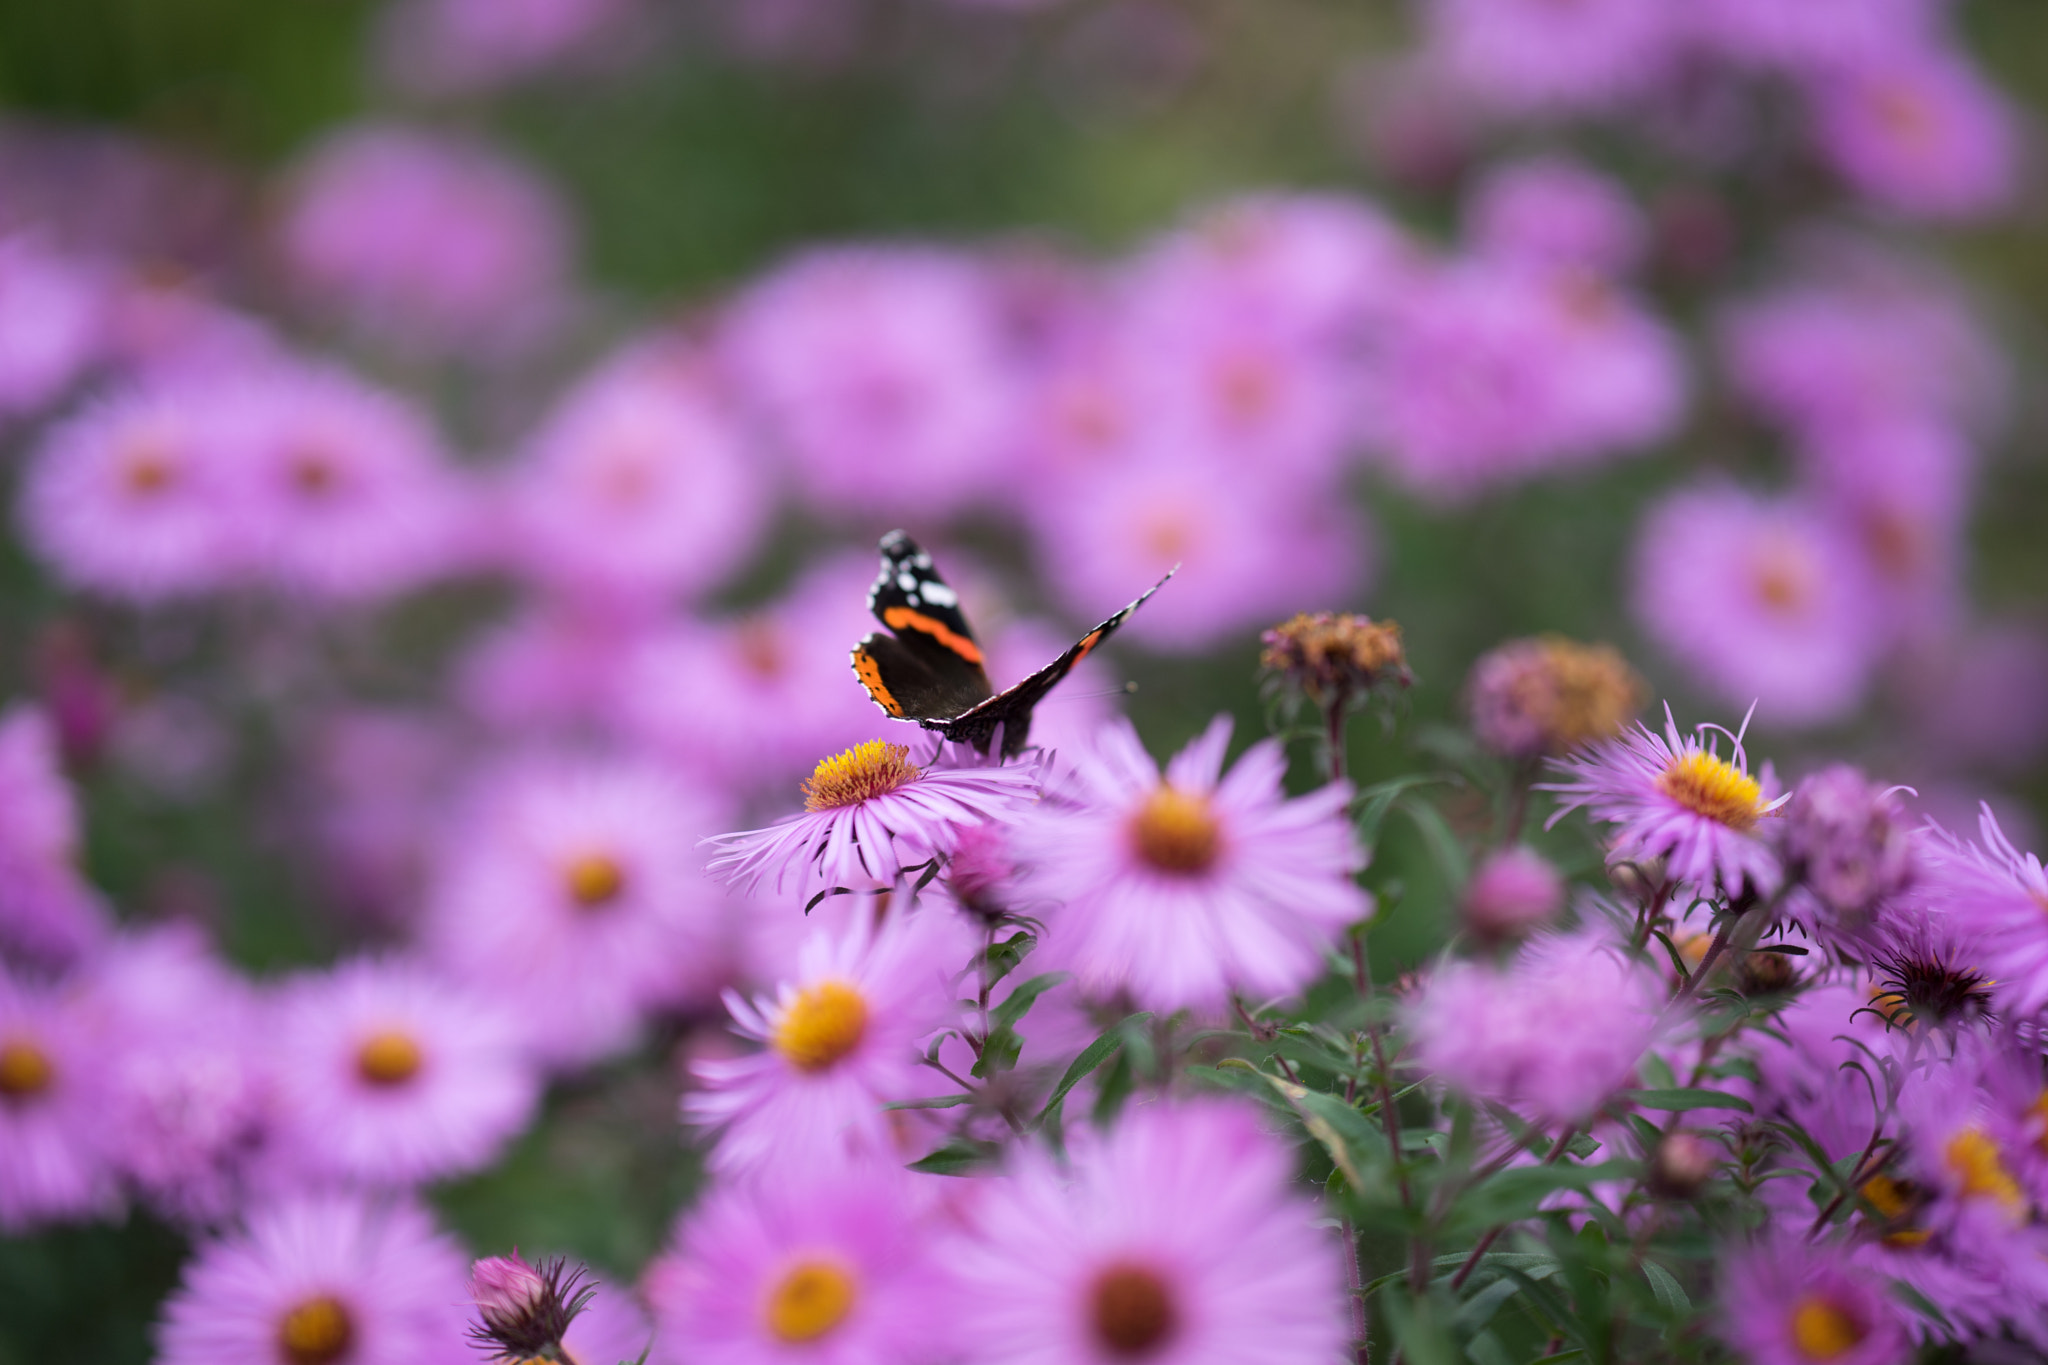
907	581
939	595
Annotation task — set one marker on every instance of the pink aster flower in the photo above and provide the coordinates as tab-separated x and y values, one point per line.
554	664
1917	129
54	1157
1998	896
53	321
1180	1237
436	243
571	881
443	47
883	374
1789	1302
1250	549
843	1037
1814	34
1761	600
321	1278
870	813
1185	887
346	492
48	912
1675	797
391	1073
1558	1030
1902	491
1558	212
641	482
131	497
833	1267
1532	57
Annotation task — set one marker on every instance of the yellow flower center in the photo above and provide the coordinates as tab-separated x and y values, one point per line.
1175	832
594	880
811	1299
862	773
1132	1310
1713	787
2039	1110
25	1069
822	1025
317	1332
1896	1202
1822	1331
388	1058
1973	1159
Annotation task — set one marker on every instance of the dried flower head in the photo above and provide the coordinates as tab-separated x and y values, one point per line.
524	1311
1548	696
1332	657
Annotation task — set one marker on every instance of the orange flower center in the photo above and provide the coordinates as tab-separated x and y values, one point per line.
389	1058
1132	1310
25	1070
811	1299
317	1332
594	880
1175	832
822	1025
1822	1330
1707	785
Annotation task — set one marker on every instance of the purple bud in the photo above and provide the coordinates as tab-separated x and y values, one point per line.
1846	839
1514	891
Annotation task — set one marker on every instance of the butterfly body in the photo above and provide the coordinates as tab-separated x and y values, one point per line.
929	667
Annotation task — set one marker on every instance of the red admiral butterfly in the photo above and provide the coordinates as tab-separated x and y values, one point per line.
929	669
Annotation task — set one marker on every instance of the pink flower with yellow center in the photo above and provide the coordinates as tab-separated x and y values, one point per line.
1674	797
870	813
1183	887
842	1038
1790	1303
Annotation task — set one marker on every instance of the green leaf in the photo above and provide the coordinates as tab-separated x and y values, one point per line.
1478	1310
1004	958
1485	1349
1373	803
1670	1293
936	1102
1339	1127
1687	1099
1657	1072
960	1156
1418	1328
1092	1056
1020	1000
1443	842
1518	1192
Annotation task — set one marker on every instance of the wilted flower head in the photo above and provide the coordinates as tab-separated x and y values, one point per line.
525	1311
1791	1303
1331	657
1674	797
1558	1030
1846	842
1548	696
1180	888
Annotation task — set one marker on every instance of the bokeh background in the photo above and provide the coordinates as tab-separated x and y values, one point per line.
691	148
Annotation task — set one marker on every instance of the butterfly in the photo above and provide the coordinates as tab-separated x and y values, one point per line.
929	668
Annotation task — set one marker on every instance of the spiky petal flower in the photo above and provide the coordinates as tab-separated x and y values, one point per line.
842	1040
319	1280
833	1267
1175	1240
1788	1303
1674	797
869	813
1998	897
1184	887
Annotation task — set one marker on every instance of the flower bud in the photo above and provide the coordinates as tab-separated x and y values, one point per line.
1681	1164
1846	841
525	1311
1514	891
1765	973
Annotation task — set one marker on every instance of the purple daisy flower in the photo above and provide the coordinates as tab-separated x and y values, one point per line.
392	1073
1512	892
1186	887
1500	1035
1675	797
1177	1239
1790	1303
322	1278
828	1267
843	1038
1533	58
574	882
54	1162
1998	897
869	813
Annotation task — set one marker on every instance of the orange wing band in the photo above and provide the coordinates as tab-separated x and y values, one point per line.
900	618
1088	642
870	674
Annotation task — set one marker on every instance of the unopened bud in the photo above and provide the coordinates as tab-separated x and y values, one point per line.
525	1310
1681	1164
1514	891
1764	973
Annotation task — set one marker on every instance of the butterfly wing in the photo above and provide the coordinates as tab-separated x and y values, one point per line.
1011	709
902	681
923	613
